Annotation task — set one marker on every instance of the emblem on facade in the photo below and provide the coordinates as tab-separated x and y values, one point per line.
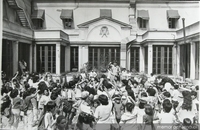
104	31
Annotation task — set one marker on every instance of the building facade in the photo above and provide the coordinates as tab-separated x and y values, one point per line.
63	35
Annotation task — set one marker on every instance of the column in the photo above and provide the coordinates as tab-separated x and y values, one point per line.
150	58
192	60
133	23
178	60
15	56
57	58
31	58
174	59
128	59
123	55
35	58
132	18
142	67
83	55
1	34
67	58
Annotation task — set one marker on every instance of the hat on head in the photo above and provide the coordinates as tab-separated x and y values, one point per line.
85	94
96	97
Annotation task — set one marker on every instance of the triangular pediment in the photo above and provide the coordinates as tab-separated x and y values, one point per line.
88	23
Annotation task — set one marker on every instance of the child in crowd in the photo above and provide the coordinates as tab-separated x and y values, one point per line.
90	101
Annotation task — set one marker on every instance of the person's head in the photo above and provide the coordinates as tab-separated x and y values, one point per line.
187	122
197	88
187	100
129	107
71	84
125	82
107	84
149	110
54	96
50	106
103	99
25	94
96	103
115	63
167	107
61	122
143	94
176	86
135	83
151	91
85	95
52	86
193	94
167	94
142	104
85	118
14	93
26	86
14	81
32	90
42	87
152	74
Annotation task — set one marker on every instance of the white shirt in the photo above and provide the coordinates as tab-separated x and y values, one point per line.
166	118
176	94
102	113
43	101
140	115
48	121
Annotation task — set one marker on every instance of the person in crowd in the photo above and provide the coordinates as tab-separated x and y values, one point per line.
148	118
49	121
166	117
129	118
88	101
61	123
16	104
187	108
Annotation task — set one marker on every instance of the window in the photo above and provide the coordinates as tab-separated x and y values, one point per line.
162	59
38	23
62	59
74	58
185	54
99	57
172	22
135	58
68	23
38	17
24	53
46	58
172	16
7	57
143	17
142	23
67	18
105	13
5	15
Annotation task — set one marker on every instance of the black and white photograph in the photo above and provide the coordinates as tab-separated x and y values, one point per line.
99	64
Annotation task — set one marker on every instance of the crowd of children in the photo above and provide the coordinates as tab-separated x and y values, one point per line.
113	101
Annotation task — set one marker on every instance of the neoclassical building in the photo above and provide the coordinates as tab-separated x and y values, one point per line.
62	35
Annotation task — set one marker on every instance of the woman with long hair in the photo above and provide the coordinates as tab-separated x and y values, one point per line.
187	108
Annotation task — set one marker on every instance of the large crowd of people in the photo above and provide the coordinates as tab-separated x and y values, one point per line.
116	100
